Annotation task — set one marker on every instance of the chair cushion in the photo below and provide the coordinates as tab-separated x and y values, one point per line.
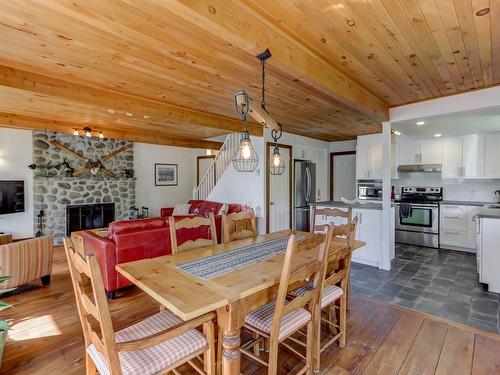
181	209
156	358
262	319
331	293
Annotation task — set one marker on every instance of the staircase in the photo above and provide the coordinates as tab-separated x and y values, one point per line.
218	167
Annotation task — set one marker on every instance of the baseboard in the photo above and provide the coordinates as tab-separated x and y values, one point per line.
457	248
366	261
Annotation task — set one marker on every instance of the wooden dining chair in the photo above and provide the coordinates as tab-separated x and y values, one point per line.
182	232
157	344
330	215
334	292
238	225
278	320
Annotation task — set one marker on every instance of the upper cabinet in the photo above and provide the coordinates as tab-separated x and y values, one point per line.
492	155
463	157
369	157
426	151
452	157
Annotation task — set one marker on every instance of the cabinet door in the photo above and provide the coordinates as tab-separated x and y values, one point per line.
362	151
369	230
471	227
452	157
431	151
394	161
473	156
492	155
407	153
375	160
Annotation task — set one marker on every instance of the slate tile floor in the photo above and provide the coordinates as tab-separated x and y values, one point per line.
436	281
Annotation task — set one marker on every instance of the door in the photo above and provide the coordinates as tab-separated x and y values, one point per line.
452	157
431	151
279	193
407	153
343	175
473	155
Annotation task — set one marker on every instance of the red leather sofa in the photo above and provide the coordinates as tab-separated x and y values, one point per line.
146	238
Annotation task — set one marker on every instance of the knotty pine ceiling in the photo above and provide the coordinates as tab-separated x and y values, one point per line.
162	70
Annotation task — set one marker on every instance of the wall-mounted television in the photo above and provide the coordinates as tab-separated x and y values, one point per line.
11	197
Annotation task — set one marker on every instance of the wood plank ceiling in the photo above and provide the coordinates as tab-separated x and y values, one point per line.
164	71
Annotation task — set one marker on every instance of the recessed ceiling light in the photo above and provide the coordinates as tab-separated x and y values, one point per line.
420	123
396	132
437	135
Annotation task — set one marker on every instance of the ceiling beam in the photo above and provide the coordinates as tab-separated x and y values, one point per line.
119	103
8	120
240	26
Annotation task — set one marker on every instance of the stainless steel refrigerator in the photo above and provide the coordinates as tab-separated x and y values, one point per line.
304	192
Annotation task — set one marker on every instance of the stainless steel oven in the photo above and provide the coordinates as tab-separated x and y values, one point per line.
420	223
370	190
421	227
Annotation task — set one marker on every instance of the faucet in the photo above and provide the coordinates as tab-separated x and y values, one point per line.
497	195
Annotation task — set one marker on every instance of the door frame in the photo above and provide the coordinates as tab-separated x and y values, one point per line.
198	158
290	164
332	174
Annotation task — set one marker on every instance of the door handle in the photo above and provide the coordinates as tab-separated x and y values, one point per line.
271	203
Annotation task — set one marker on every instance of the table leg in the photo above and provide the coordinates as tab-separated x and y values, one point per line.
230	325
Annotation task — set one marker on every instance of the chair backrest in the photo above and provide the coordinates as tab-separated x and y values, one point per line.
341	259
238	225
188	233
329	213
96	308
300	274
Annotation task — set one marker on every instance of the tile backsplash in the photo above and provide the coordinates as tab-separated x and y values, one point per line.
453	189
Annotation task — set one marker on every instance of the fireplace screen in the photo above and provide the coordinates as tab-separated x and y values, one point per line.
89	216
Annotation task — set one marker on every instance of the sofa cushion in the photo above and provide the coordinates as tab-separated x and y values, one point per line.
207	206
195	206
181	209
235	207
120	226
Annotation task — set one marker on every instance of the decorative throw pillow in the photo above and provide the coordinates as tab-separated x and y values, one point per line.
224	209
181	209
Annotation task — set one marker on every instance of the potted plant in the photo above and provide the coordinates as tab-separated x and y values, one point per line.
4	325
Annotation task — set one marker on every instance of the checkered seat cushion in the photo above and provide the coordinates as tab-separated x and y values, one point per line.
262	319
331	293
156	358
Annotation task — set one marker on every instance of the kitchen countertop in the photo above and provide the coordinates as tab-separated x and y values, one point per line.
489	213
365	206
466	203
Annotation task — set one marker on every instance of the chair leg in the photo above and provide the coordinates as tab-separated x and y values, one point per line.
90	368
111	295
256	347
316	354
219	350
309	350
45	280
343	319
209	355
273	358
332	317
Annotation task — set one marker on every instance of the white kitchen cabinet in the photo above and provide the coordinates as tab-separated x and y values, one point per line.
369	230
488	254
492	155
430	151
394	161
452	157
427	151
457	227
473	156
369	157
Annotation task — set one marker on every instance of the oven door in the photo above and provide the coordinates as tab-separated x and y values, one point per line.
424	218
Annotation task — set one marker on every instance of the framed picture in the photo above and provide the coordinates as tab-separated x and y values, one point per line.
165	174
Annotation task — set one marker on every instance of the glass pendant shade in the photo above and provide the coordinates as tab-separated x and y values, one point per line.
245	159
277	166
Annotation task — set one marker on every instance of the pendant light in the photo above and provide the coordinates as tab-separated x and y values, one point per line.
245	159
277	166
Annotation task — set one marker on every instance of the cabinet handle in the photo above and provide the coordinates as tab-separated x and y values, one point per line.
416	158
452	217
448	232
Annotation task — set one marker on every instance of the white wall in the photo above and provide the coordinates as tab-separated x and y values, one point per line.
245	188
481	190
15	155
155	197
343	146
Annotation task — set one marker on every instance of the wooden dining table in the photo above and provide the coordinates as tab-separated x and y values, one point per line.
232	295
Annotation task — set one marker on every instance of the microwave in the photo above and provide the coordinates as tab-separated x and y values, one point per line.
370	190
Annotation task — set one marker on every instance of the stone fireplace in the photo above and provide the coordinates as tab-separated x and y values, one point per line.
54	191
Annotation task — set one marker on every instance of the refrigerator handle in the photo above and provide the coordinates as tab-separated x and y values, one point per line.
308	172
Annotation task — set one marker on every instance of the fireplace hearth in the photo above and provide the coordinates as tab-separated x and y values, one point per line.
88	216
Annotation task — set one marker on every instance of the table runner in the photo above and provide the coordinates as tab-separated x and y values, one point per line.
215	265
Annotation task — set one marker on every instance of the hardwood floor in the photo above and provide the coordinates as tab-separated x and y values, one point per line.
46	336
